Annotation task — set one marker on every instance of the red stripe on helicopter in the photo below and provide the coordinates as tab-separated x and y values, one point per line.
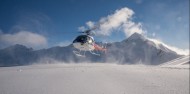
97	47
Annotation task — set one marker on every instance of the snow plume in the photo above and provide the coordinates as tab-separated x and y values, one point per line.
90	24
177	50
120	20
25	38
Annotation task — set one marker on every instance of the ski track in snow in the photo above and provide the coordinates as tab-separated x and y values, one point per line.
93	79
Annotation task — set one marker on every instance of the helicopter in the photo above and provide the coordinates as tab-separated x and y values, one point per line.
85	42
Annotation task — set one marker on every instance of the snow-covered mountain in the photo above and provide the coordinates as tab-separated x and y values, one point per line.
139	49
16	55
133	50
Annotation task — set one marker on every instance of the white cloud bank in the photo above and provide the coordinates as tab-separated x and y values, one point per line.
26	38
120	20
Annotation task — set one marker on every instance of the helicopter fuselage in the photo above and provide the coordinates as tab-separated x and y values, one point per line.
84	43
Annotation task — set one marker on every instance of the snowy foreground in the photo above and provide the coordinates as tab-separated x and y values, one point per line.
93	79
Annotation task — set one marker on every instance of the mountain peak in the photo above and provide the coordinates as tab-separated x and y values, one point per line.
18	47
135	36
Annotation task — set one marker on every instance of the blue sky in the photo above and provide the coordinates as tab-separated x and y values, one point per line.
56	22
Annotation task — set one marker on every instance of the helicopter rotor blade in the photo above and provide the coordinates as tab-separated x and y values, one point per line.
90	30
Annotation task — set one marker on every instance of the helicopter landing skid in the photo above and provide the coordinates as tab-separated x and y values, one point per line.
94	53
77	53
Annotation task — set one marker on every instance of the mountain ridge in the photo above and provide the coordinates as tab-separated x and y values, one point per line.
135	49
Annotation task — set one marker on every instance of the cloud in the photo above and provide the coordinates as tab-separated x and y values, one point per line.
120	20
29	30
90	24
26	38
131	27
81	28
177	50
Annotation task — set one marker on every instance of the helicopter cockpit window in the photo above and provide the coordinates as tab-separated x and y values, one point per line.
81	38
84	39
